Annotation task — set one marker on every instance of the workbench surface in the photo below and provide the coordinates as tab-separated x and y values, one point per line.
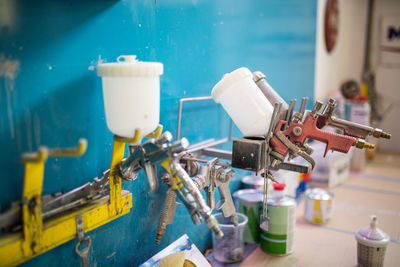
374	191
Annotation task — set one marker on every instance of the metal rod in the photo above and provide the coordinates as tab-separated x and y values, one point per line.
202	143
303	105
224	164
368	33
219	153
230	129
215	143
189	99
275	115
289	112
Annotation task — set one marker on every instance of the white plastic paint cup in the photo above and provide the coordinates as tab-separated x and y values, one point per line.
131	91
241	98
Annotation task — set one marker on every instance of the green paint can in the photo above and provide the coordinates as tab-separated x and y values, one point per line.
277	231
249	203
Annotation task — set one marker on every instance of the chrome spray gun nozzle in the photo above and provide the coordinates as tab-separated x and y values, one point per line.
161	151
192	197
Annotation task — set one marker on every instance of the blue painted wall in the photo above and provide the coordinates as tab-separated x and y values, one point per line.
50	94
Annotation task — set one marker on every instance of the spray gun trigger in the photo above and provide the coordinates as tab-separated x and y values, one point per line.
220	204
151	174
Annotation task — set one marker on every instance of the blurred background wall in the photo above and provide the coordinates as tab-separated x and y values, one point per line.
346	60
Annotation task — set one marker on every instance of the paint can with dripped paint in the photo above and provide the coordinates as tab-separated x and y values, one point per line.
249	203
318	208
277	231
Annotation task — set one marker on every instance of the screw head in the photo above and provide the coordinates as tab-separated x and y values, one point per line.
297	131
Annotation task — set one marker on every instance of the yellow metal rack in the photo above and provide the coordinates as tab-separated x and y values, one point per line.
38	236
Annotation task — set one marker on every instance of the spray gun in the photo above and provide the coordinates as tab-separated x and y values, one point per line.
292	129
208	176
161	151
211	176
289	131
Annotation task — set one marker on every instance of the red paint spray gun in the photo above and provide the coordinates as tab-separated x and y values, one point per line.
291	130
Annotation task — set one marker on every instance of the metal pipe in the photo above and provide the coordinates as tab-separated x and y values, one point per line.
215	143
303	105
269	92
230	129
202	143
189	99
223	164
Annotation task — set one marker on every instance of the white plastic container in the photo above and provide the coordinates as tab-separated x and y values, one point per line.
131	91
371	245
244	102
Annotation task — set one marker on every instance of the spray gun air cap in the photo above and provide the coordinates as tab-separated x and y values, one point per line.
179	146
184	143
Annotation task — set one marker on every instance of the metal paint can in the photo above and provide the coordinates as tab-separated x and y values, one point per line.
277	231
253	182
249	203
318	206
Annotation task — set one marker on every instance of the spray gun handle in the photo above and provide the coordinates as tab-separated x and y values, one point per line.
151	174
226	203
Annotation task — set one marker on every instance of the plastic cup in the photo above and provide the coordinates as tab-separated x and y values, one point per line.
230	247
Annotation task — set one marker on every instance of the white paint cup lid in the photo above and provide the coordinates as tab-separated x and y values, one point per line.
372	236
129	66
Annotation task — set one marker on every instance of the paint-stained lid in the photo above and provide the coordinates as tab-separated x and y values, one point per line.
319	194
372	236
248	195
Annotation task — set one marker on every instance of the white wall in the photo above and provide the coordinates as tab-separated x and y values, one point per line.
346	59
387	79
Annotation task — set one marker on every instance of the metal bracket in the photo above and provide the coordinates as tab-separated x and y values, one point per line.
79	227
207	143
84	252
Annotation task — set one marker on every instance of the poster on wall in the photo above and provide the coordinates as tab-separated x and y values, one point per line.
390	42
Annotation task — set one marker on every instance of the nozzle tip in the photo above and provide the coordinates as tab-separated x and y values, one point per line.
218	232
362	144
386	135
234	219
369	146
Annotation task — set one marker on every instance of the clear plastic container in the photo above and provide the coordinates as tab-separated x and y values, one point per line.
131	91
241	98
230	247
